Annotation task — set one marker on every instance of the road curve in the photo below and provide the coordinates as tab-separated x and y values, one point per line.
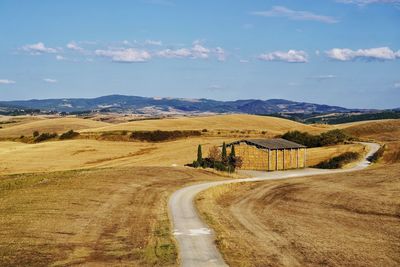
196	240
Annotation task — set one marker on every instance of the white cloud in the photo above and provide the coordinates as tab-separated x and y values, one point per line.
396	85
48	80
59	57
197	51
367	2
38	48
281	11
379	53
74	46
129	55
243	61
291	56
176	53
153	42
5	81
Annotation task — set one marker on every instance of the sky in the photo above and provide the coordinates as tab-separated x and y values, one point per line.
336	52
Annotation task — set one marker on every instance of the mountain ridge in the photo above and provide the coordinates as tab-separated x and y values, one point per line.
142	105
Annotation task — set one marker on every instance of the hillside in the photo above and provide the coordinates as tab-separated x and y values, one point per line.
351	219
158	105
58	125
219	122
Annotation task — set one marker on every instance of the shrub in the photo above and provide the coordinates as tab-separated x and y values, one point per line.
159	136
214	154
219	166
377	155
332	137
204	130
68	135
45	136
339	161
35	134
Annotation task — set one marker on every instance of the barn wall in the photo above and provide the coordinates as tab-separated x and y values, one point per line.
253	158
257	159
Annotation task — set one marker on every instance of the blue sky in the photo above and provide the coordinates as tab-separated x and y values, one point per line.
338	52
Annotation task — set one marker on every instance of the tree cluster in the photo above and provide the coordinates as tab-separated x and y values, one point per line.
219	160
332	137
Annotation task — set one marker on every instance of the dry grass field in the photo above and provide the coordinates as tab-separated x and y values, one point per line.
384	131
218	122
96	202
84	154
57	125
98	217
348	219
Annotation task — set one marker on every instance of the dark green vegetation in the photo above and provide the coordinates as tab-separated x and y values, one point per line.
339	161
68	135
332	137
377	155
44	136
217	160
159	136
337	118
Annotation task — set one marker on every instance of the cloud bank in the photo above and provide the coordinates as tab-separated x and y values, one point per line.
281	11
379	53
291	56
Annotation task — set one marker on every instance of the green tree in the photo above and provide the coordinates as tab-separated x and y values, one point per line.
224	157
233	154
199	155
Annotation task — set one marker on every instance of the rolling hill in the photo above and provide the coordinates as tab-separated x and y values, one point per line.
137	104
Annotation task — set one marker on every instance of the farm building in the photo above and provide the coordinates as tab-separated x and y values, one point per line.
270	154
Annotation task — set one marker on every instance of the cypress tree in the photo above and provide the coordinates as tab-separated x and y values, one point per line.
199	155
232	155
223	154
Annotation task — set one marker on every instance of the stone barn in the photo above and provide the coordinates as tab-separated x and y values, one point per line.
270	154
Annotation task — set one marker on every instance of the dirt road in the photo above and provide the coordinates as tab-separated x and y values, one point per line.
196	240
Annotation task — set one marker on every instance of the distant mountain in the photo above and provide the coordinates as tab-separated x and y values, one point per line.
153	105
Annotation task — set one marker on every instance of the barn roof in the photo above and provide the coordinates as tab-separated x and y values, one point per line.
277	143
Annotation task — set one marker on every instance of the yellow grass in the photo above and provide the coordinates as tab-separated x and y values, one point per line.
76	154
57	125
384	131
107	217
332	220
319	154
217	122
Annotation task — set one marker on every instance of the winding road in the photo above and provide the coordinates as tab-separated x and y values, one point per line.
196	241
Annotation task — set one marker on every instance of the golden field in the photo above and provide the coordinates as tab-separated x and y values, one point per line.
84	154
58	125
331	220
95	202
97	217
217	122
89	153
348	219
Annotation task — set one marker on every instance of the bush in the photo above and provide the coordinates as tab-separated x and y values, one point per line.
339	161
159	136
68	135
332	137
35	134
377	155
45	136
